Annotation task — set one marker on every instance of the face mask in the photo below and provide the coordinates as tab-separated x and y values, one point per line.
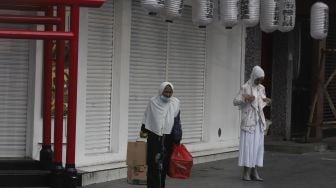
164	98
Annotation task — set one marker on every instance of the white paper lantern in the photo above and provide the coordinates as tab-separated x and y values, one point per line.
269	15
172	10
202	12
250	11
228	12
319	20
287	15
153	7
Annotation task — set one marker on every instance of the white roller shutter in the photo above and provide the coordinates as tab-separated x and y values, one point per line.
186	70
14	59
147	63
182	59
99	79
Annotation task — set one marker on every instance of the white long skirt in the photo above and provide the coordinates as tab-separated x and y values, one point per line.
251	148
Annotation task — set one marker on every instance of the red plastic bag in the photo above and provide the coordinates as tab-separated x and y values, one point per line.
180	163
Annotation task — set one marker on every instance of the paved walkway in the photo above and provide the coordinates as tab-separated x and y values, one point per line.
281	170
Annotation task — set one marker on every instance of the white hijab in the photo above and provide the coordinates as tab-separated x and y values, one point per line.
257	72
159	115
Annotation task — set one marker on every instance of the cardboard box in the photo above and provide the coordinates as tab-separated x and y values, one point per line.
136	153
137	174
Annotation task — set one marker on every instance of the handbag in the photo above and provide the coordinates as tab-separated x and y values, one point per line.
180	163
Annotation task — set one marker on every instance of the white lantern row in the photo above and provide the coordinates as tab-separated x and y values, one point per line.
202	12
319	20
153	7
269	15
228	12
272	14
287	15
172	10
249	10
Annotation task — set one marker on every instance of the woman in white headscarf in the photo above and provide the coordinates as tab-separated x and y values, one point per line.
251	100
162	123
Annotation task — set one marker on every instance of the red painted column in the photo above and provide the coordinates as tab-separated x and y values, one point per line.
29	19
86	3
73	73
59	100
70	167
22	34
46	151
22	7
57	180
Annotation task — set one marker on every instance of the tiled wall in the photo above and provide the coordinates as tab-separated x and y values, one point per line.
281	85
253	50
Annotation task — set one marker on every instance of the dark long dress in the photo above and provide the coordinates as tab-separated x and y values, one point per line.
159	150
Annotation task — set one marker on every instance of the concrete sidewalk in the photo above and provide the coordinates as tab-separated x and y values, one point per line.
281	170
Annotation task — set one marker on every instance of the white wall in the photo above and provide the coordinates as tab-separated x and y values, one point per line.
116	158
225	57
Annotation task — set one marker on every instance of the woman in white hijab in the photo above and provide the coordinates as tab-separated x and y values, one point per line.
161	122
251	100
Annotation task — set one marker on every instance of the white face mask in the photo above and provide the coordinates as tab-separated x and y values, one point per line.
164	98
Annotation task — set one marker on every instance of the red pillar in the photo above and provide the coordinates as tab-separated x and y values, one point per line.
85	3
29	19
58	132
46	151
58	170
71	172
73	73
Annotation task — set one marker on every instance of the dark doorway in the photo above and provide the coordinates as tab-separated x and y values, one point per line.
266	64
302	75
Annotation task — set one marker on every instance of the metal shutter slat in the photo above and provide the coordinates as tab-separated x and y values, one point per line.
14	59
14	71
147	63
99	79
187	68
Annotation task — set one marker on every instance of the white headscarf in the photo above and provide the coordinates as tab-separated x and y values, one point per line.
159	115
163	86
257	72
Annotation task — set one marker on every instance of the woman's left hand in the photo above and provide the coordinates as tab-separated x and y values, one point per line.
268	101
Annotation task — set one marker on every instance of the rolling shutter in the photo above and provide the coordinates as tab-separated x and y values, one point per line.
14	59
182	59
147	63
186	70
99	79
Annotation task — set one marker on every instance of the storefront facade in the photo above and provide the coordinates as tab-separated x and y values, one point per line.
124	54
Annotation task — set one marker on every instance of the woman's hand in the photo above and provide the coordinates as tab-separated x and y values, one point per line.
143	131
268	101
249	98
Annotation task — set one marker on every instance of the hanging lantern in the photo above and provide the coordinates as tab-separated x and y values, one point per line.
228	12
319	20
287	15
202	12
269	15
172	10
153	7
249	12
